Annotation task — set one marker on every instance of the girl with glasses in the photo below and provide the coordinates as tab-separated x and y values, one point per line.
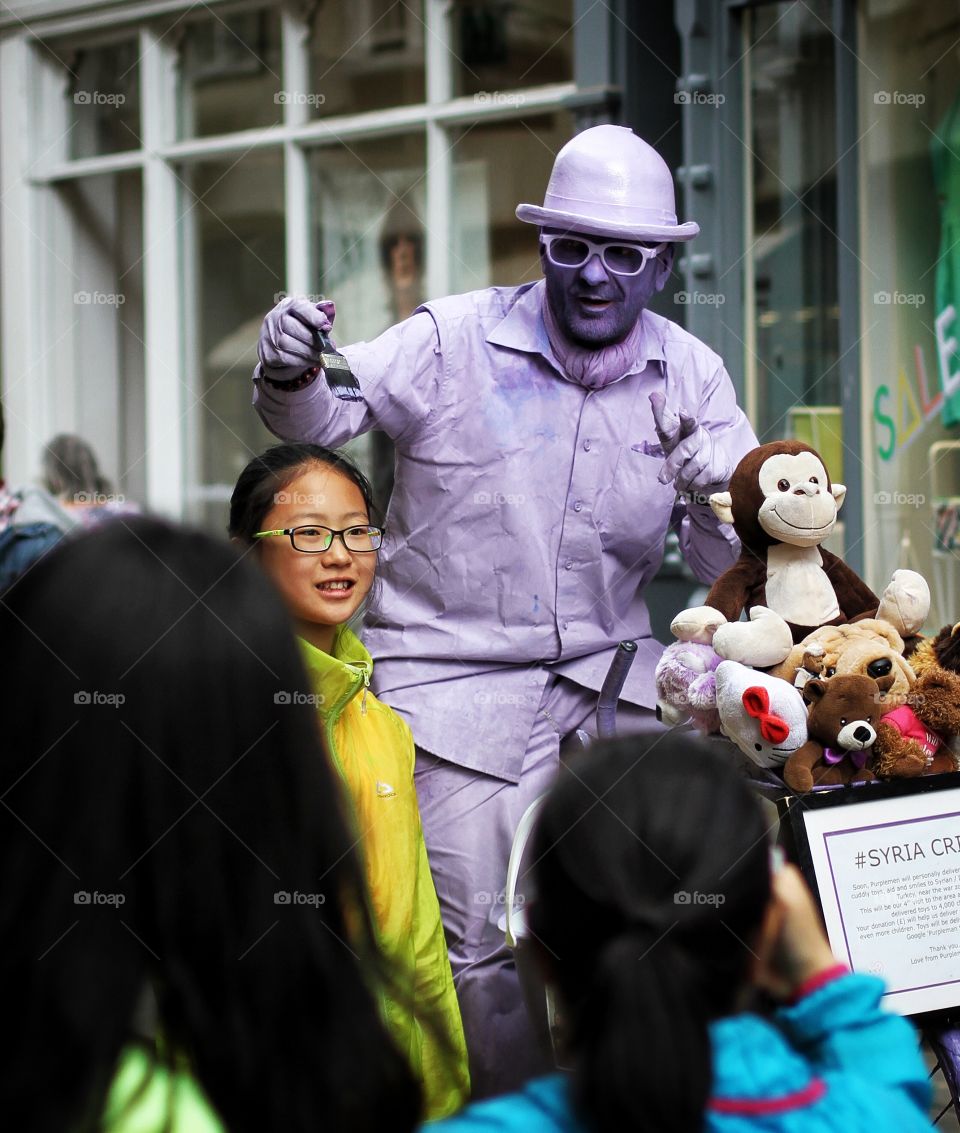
307	511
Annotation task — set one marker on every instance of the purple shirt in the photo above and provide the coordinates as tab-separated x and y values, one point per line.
526	517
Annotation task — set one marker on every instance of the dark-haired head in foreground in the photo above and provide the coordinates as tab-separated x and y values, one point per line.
652	882
171	833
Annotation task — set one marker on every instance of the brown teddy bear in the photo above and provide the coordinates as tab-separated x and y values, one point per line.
870	647
915	738
841	728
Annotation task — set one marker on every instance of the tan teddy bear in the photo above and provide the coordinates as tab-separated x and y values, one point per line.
870	648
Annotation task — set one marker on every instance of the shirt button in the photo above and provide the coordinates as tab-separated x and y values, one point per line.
586	446
565	624
568	565
578	506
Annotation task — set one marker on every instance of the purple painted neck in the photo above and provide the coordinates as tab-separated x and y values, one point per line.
592	366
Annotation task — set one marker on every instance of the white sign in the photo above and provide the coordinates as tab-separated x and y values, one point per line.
888	872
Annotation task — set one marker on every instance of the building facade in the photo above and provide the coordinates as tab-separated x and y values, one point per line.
168	169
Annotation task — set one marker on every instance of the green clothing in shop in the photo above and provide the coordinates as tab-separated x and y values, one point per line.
945	153
372	748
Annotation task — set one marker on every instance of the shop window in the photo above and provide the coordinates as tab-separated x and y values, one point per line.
365	55
501	45
98	288
909	100
369	252
369	231
102	97
229	73
234	258
792	224
488	244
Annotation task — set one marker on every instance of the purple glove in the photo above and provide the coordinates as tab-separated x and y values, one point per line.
288	344
695	462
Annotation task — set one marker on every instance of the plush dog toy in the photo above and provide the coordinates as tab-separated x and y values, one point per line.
782	506
687	686
841	716
764	716
915	738
870	648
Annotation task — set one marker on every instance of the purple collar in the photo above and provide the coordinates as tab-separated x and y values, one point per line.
522	328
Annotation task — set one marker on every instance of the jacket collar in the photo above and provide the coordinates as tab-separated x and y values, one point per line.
754	1066
339	675
522	328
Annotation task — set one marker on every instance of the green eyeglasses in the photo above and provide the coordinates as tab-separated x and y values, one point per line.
314	540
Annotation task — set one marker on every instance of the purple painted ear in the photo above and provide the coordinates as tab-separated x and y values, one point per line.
813	690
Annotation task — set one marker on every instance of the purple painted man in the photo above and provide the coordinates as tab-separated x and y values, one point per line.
547	436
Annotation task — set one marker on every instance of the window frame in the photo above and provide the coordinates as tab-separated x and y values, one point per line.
35	162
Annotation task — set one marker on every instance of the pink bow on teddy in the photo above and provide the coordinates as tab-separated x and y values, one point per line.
773	728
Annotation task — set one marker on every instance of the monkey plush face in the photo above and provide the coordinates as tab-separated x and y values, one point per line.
799	506
780	493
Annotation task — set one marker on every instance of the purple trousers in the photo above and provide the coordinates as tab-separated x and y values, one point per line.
469	821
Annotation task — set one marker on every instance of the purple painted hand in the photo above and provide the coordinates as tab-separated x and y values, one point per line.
695	462
288	344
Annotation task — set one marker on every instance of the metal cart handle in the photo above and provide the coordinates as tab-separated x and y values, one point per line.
612	686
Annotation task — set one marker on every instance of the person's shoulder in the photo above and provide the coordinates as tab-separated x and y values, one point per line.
543	1104
679	343
487	303
37	506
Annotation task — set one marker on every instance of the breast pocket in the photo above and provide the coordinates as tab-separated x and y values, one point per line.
635	508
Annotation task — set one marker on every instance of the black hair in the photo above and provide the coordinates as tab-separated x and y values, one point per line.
273	471
652	880
401	222
70	468
172	831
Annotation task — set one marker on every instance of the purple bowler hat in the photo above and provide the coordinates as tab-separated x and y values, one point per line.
608	182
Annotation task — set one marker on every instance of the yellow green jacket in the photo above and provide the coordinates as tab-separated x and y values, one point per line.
372	748
146	1098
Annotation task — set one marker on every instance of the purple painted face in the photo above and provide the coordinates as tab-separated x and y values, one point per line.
591	304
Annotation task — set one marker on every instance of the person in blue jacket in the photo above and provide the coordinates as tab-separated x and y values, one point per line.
658	923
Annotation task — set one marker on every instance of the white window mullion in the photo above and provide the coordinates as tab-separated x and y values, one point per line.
439	178
295	73
167	392
29	366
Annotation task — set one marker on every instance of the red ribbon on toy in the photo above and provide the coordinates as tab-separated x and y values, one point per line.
773	728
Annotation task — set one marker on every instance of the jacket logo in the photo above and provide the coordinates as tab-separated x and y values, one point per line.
384	790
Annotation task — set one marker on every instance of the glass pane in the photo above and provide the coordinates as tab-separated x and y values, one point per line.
235	264
793	244
909	99
230	77
369	235
500	45
103	93
488	244
365	55
369	252
100	240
